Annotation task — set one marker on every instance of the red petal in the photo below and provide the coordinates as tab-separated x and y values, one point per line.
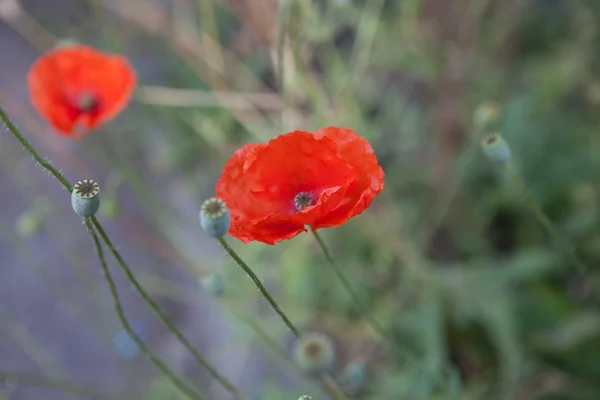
259	184
359	154
60	76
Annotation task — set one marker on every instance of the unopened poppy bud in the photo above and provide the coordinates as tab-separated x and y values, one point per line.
486	114
213	284
354	376
214	217
85	198
496	149
314	352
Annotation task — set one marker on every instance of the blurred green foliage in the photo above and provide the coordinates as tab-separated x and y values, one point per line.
449	257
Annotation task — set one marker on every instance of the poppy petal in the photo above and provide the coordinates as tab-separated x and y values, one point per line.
359	154
260	184
80	86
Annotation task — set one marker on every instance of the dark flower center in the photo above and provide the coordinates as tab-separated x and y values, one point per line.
492	139
313	350
214	208
303	200
87	102
86	188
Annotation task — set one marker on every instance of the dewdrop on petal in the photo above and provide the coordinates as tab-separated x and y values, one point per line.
314	353
214	217
213	284
85	198
496	149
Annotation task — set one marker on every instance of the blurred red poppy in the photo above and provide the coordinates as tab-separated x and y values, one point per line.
77	88
274	190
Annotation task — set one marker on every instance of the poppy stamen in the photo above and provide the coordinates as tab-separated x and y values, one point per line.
214	208
86	188
87	102
303	200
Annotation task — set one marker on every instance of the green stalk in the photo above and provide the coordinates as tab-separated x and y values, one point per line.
163	367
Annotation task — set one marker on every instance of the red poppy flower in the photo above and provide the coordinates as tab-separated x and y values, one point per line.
274	190
80	87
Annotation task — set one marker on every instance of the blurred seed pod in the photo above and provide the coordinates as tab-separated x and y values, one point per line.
213	284
354	377
314	353
85	197
214	217
496	149
125	345
66	43
486	115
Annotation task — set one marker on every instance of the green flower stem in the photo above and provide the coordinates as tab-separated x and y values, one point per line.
162	315
375	325
153	305
259	285
12	378
543	218
327	382
346	283
43	162
164	368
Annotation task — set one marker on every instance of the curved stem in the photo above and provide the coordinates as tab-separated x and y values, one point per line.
164	368
259	285
43	162
544	219
375	325
153	305
162	315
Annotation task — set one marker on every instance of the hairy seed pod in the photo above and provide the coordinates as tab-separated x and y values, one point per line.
85	198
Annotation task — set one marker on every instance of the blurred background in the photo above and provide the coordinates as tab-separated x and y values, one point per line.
450	257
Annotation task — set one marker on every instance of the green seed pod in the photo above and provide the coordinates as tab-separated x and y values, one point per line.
354	376
66	43
485	115
85	197
496	149
314	352
214	217
213	284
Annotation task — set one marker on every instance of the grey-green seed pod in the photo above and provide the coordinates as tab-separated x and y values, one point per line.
496	149
214	217
314	352
354	376
213	284
485	115
66	43
85	197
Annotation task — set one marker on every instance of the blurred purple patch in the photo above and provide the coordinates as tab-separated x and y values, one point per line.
125	345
